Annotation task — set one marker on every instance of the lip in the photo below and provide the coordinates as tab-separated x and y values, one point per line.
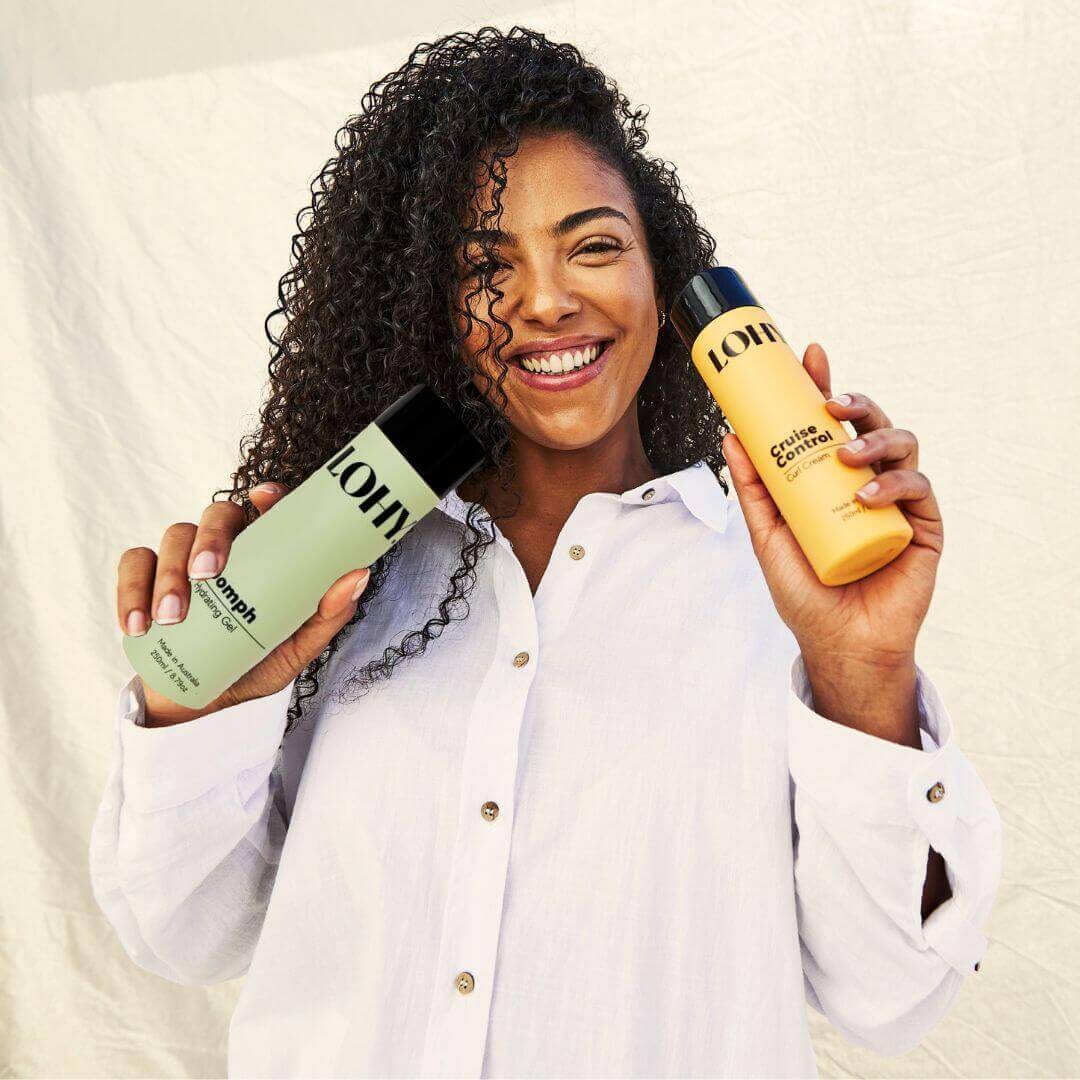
569	343
568	380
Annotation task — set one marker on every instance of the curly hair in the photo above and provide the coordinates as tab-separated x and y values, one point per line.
371	301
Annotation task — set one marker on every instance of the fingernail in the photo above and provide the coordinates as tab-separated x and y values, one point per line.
843	399
270	489
869	489
136	623
856	444
168	609
205	565
360	585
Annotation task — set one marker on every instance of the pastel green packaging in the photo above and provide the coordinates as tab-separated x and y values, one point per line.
346	515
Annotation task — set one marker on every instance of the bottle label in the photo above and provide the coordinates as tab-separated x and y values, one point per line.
359	480
769	398
774	406
346	515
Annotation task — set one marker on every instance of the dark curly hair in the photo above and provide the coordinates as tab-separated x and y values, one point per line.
371	301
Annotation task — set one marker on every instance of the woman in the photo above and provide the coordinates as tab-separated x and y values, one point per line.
730	788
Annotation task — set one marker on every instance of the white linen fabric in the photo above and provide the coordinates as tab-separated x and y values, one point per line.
684	853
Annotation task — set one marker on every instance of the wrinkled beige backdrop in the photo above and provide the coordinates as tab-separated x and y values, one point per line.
898	181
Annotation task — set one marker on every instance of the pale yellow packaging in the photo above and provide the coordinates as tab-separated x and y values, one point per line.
780	417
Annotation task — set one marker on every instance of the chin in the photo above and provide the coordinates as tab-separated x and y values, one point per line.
569	436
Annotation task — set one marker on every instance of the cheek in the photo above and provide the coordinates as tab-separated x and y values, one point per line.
626	296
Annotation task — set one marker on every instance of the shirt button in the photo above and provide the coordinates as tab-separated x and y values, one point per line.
464	982
521	659
576	551
648	493
937	792
977	965
490	810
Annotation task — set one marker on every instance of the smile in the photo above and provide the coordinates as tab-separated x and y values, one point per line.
562	371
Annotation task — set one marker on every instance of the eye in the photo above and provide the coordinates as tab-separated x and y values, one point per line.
598	247
486	267
477	269
594	247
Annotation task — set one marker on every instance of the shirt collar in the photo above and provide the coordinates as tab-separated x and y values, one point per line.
696	486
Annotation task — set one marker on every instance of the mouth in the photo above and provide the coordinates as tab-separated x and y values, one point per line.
574	367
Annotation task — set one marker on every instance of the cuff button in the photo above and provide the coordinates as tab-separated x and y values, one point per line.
937	792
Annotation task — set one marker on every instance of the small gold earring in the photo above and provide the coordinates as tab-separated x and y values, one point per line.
663	318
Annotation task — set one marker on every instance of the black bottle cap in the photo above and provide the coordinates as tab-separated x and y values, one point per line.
706	295
431	438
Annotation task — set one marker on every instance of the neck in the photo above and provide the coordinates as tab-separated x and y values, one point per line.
552	481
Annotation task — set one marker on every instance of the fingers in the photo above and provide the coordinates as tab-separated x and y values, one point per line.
169	603
219	526
908	486
892	452
134	586
889	448
862	413
154	586
266	495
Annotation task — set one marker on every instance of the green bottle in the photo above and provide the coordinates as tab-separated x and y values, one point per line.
345	515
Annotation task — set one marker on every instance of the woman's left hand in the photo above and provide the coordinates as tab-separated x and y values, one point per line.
875	619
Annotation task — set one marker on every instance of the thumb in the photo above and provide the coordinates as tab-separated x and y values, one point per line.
336	608
759	509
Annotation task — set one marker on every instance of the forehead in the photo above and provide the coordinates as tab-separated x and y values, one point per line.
549	177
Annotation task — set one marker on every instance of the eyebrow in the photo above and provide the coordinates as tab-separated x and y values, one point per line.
560	228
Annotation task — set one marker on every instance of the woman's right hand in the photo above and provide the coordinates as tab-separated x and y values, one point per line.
146	581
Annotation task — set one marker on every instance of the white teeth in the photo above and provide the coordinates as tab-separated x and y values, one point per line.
556	363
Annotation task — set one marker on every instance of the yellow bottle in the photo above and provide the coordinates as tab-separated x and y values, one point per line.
780	417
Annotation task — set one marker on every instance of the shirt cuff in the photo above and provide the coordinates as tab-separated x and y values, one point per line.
862	781
166	766
876	779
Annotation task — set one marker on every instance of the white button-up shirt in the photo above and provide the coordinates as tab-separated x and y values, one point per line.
598	831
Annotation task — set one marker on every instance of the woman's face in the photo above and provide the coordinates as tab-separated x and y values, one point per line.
567	270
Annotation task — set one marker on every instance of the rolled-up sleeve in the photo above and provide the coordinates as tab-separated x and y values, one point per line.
185	842
865	812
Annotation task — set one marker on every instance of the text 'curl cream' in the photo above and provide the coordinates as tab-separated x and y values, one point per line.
776	409
344	516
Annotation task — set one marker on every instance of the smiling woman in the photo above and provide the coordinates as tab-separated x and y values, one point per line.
570	275
616	699
560	231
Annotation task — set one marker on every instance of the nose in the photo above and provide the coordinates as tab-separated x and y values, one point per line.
544	297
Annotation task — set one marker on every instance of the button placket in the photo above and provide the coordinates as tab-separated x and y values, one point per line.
579	547
461	995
